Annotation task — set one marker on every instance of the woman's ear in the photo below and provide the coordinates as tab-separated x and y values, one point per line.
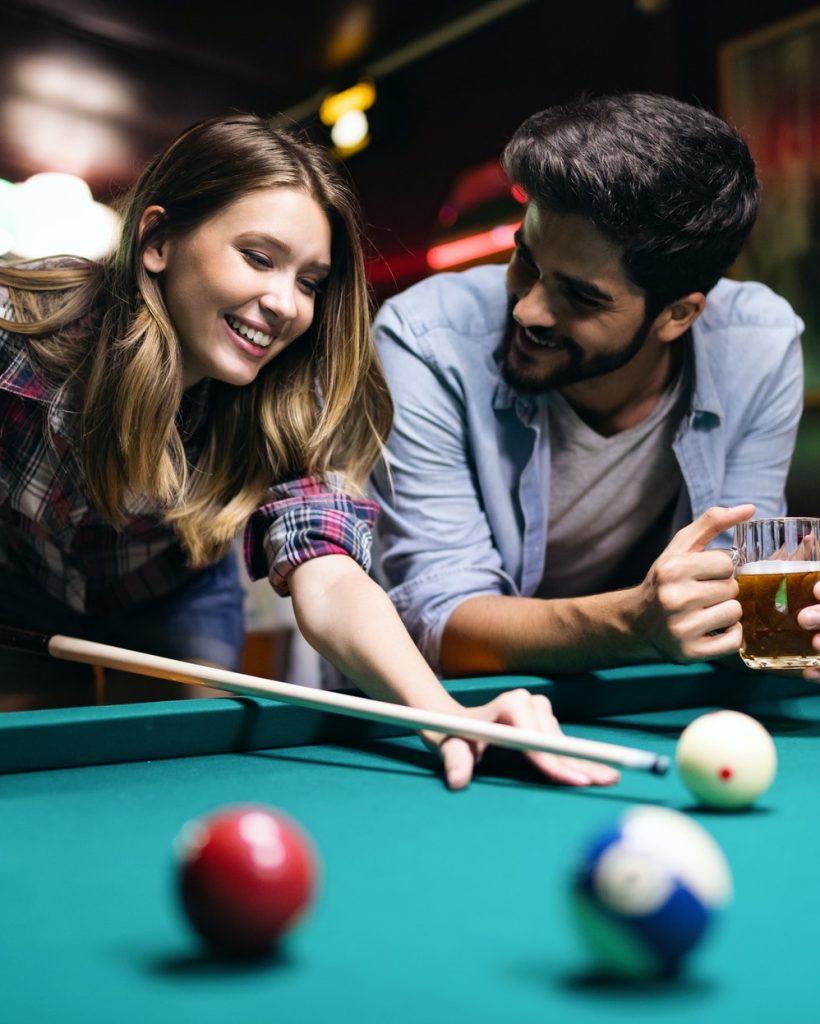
154	255
679	316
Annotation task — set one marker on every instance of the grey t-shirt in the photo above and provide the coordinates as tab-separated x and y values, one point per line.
611	498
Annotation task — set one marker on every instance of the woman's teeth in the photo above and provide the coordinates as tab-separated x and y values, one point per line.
256	337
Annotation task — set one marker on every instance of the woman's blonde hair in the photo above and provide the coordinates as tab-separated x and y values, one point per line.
101	330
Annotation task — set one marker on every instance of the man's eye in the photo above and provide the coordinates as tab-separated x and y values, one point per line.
584	301
526	260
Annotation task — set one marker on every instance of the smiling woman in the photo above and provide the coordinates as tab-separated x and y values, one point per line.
131	451
216	374
238	294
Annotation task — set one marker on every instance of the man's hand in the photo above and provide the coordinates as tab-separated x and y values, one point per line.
689	594
526	711
809	618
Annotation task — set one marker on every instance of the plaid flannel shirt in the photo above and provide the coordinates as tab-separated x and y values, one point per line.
50	532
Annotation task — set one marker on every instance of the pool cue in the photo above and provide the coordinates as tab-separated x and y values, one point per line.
88	652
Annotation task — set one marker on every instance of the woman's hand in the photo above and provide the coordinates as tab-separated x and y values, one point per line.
526	711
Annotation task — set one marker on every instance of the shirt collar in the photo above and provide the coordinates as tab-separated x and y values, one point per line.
506	396
705	397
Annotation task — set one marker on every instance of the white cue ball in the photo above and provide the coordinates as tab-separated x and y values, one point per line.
726	759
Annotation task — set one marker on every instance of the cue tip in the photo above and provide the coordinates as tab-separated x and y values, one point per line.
660	766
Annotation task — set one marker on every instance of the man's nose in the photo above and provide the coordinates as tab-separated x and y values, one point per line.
533	308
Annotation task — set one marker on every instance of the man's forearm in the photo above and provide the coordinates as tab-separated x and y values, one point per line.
684	610
528	634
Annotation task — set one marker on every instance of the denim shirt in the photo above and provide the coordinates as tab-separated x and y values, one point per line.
465	506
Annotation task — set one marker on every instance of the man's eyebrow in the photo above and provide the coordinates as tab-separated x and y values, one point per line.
518	239
585	288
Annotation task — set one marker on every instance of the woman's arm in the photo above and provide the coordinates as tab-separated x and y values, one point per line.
350	621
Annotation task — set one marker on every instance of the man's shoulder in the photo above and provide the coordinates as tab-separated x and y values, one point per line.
746	334
746	304
471	302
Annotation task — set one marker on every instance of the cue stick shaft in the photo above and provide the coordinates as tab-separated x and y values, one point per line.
91	653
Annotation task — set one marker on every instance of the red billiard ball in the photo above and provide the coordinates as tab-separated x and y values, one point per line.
246	874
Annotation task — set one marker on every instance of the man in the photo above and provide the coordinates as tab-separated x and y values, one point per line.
559	425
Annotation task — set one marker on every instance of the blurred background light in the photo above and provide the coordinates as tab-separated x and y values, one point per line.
351	36
473	247
67	83
344	113
60	112
55	214
349	134
7	194
358	97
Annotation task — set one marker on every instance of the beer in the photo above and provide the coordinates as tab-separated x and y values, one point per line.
771	595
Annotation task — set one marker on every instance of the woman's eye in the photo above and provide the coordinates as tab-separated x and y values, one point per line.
256	259
314	287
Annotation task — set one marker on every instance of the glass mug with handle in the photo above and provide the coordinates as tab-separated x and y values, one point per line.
777	563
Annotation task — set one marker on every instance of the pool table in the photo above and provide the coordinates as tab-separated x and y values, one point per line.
433	906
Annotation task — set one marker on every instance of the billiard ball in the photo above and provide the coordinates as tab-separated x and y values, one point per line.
645	891
246	873
726	759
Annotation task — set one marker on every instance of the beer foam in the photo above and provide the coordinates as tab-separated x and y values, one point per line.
776	568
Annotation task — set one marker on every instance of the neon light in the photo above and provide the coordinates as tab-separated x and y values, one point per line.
473	247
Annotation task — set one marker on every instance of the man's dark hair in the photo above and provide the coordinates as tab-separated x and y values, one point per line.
670	183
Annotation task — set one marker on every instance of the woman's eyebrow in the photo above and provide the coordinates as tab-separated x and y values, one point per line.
277	243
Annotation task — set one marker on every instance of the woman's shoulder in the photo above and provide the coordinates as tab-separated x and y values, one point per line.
19	374
33	365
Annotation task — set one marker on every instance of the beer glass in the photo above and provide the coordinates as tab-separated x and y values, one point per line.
777	563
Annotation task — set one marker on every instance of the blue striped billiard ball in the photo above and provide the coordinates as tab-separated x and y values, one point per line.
646	890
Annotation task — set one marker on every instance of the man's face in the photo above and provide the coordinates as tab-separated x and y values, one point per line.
574	314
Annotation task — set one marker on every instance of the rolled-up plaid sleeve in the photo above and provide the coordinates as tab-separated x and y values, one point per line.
305	519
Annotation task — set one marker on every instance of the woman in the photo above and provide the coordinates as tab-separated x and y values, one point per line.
215	374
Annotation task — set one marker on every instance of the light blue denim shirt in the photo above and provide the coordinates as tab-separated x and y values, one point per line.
466	509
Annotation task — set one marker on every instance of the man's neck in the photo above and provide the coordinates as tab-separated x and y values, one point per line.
623	399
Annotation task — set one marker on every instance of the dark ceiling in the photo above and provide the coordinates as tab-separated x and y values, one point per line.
141	69
95	87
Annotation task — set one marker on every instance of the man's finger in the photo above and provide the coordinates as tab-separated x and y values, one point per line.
809	618
714	521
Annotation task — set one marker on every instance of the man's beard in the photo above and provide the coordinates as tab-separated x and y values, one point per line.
576	367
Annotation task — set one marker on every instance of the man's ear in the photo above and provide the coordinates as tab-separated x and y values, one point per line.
676	318
154	255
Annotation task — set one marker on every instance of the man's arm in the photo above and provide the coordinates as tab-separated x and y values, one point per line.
684	610
434	540
448	580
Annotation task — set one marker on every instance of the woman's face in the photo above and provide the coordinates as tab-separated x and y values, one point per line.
243	285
